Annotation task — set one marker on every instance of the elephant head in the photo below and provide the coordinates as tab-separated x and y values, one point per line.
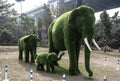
83	18
52	57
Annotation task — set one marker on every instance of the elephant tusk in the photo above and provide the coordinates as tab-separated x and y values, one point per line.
87	44
93	40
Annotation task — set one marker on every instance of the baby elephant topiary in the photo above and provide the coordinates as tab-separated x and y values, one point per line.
47	59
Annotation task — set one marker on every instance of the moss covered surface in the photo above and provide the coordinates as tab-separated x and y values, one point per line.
68	31
46	59
27	44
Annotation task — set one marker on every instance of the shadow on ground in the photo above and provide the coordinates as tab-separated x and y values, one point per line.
56	76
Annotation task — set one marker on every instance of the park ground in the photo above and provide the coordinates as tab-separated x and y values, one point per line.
20	71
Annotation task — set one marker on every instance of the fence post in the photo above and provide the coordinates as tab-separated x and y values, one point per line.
64	77
6	73
31	75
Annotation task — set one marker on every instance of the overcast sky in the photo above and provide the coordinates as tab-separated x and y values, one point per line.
27	4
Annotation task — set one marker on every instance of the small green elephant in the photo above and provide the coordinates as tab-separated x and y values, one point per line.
47	59
28	44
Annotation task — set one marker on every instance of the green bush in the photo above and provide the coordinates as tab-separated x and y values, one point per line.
7	37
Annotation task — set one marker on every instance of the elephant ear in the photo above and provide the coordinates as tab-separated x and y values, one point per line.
26	39
34	37
73	16
52	57
48	58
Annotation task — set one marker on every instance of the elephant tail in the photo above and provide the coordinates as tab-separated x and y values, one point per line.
61	54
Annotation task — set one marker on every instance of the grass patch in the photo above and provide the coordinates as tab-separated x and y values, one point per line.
19	70
63	67
8	48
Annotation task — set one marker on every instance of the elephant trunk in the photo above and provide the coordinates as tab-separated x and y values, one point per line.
61	56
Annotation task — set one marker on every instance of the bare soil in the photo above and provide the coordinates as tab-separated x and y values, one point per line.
20	71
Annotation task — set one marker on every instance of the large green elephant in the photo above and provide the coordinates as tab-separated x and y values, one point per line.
28	44
47	59
67	33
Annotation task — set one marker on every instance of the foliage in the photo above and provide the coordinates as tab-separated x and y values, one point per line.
7	15
56	11
44	22
115	41
39	25
7	37
26	24
103	29
106	24
107	30
47	18
62	9
7	22
6	10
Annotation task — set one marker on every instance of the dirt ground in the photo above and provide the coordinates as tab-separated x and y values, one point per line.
20	71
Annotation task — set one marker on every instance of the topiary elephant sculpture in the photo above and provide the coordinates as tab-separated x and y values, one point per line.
47	59
28	44
67	33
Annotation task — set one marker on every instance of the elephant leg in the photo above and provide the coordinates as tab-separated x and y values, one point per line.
32	57
26	56
38	66
20	54
42	67
48	67
87	61
52	67
78	46
72	59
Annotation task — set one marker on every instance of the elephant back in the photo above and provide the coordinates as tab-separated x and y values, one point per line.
42	58
21	42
